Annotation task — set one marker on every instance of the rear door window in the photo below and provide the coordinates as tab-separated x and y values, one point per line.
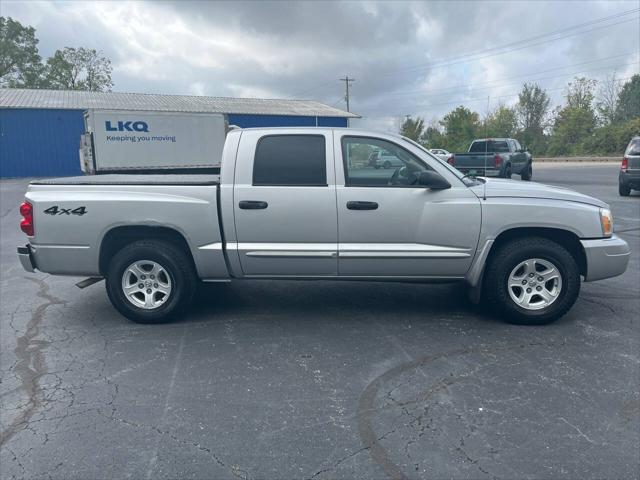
634	147
489	146
290	160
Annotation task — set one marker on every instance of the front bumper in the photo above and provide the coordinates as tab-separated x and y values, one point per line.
26	259
606	257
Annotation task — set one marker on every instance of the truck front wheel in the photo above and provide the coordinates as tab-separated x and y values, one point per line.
150	281
531	281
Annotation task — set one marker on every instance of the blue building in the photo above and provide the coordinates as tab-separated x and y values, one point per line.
40	129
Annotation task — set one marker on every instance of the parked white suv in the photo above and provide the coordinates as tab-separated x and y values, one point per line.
441	154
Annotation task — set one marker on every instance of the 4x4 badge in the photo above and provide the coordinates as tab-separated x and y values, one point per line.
55	210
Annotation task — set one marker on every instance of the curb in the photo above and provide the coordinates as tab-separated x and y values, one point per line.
576	159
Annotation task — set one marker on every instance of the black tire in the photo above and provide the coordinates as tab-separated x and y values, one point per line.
387	165
377	167
527	174
624	190
178	267
507	257
507	172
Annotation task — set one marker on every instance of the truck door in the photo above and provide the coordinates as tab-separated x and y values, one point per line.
285	203
390	227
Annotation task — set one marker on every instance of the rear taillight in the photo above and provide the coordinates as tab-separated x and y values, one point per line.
625	164
26	224
497	159
451	160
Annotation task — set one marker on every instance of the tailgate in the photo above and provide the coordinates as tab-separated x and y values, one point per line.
632	154
473	160
634	163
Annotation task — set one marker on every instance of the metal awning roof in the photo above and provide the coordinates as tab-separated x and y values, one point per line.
82	100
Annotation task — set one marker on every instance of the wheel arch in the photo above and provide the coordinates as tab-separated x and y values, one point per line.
566	238
118	237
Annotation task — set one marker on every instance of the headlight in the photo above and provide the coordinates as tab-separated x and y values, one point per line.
606	220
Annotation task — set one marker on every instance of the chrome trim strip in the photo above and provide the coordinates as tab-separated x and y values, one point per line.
35	246
299	246
399	247
211	246
400	250
347	250
287	250
289	254
372	254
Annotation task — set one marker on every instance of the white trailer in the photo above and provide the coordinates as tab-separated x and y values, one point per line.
134	141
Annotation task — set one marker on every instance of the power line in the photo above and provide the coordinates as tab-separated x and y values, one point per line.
464	57
478	99
304	92
529	74
488	85
468	57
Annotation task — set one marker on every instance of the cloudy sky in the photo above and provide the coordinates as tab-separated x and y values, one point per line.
414	58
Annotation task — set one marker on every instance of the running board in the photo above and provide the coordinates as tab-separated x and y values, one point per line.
88	282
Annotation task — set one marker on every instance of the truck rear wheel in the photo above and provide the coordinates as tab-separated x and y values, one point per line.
623	190
532	281
150	281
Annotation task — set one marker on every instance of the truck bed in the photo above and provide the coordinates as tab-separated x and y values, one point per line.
76	214
123	179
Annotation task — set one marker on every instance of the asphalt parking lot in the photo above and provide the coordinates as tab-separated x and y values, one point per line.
320	379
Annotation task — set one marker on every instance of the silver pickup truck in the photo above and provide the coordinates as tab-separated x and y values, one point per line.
304	203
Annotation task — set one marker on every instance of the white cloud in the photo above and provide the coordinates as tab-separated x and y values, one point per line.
405	56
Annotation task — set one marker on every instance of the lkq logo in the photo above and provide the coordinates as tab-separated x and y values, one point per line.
127	126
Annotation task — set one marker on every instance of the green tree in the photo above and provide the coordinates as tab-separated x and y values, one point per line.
79	69
533	112
629	100
612	139
412	128
579	93
502	122
461	126
607	99
576	121
433	138
20	63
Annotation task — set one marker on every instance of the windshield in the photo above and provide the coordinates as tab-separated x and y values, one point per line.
634	147
492	146
468	181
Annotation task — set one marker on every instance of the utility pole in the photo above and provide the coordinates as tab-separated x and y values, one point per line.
347	81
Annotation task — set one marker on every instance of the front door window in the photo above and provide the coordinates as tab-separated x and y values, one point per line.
372	162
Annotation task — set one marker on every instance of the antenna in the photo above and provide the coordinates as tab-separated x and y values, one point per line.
486	148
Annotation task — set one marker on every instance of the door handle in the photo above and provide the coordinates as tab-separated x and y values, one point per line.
358	205
252	205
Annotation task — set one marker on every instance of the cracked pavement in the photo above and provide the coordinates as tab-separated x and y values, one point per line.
320	379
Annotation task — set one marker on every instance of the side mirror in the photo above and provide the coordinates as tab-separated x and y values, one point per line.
433	180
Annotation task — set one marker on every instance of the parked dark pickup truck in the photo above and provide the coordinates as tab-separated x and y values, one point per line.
494	157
